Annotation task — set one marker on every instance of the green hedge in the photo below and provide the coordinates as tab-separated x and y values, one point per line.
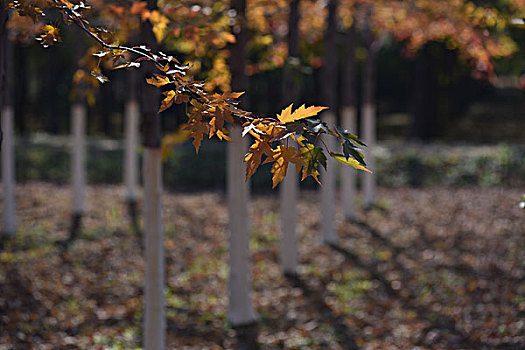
48	158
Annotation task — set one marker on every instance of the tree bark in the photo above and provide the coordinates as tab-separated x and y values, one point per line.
78	154
154	301
131	129
290	185
240	311
349	122
329	86
8	171
131	164
78	128
3	62
368	126
7	120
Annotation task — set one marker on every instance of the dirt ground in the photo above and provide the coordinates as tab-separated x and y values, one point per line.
429	268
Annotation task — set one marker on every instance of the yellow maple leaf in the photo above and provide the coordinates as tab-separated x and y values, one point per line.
49	36
167	102
302	112
350	161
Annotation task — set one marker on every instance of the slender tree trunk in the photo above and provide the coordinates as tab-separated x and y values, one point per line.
7	110
154	316
329	86
154	301
349	121
78	154
131	166
241	312
3	62
21	91
78	128
290	185
368	126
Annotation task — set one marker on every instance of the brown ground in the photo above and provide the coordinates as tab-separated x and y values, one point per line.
439	268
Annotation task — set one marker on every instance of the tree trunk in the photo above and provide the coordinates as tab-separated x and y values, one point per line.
240	311
154	316
368	126
78	154
21	91
78	128
329	85
131	128
7	110
349	117
8	171
290	185
131	166
154	301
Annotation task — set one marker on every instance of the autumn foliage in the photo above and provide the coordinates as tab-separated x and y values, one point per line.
209	114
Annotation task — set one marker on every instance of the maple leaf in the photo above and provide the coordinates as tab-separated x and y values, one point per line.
100	77
221	134
197	130
311	157
349	161
254	156
217	122
158	80
230	95
181	98
49	36
281	157
302	112
167	102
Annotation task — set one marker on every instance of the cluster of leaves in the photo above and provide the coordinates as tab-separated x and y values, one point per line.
476	31
211	114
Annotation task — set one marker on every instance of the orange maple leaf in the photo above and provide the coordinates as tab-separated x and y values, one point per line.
158	80
281	157
254	156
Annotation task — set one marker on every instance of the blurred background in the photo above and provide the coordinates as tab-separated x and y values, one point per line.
436	112
438	262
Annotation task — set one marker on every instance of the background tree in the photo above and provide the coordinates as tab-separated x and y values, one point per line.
240	311
7	125
78	133
289	188
348	105
368	114
154	300
329	86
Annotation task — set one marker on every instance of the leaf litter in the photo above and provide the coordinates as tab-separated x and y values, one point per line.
435	268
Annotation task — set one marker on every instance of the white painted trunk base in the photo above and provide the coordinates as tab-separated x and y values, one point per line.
348	174
154	315
8	170
328	181
288	212
240	311
131	168
78	125
369	138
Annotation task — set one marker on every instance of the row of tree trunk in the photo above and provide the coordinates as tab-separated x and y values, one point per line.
241	312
